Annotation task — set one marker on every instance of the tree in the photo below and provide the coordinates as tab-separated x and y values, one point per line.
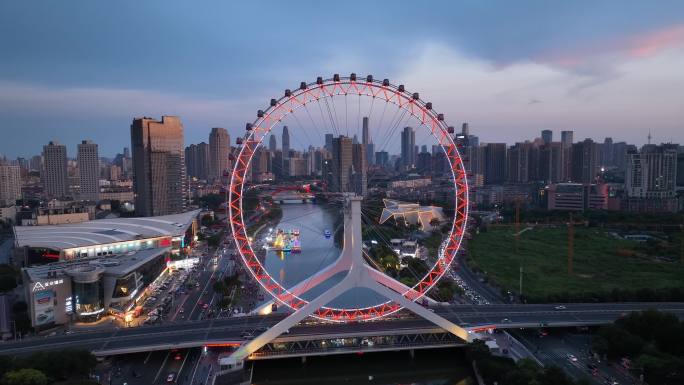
7	283
25	376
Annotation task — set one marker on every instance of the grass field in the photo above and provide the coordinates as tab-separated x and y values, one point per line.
601	262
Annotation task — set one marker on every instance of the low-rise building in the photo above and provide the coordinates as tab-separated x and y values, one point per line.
103	237
88	288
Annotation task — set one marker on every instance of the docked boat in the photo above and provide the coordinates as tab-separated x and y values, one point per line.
327	233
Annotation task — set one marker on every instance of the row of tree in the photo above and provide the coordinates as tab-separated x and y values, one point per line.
503	370
673	294
653	341
66	367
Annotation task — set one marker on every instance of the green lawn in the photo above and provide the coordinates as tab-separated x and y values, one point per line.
601	262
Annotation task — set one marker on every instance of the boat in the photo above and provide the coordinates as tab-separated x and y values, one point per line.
327	233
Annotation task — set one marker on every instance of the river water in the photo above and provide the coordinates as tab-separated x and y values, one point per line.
317	252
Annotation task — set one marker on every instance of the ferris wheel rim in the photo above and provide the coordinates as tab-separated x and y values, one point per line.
300	97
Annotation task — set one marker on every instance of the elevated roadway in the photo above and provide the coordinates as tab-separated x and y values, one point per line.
229	331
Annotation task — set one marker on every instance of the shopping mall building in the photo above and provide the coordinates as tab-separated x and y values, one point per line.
82	271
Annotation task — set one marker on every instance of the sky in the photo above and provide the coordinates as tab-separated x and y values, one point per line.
83	69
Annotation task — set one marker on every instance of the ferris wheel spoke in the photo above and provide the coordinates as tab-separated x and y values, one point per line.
411	108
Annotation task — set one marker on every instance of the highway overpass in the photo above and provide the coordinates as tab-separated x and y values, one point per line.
421	333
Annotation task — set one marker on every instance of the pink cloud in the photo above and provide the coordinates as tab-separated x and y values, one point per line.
656	41
643	45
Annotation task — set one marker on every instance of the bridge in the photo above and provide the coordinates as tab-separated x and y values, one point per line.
402	332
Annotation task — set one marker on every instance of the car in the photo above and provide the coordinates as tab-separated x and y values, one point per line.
247	335
205	306
171	377
560	307
177	357
571	357
181	310
505	321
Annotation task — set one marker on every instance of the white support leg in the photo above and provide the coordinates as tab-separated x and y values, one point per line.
245	350
395	285
359	275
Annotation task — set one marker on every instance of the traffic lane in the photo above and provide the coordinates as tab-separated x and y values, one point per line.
172	366
187	369
142	367
553	350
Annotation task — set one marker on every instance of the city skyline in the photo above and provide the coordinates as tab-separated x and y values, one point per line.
598	72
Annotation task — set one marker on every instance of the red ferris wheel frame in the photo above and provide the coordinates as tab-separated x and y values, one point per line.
312	92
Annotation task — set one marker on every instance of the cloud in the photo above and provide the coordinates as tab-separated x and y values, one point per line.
643	92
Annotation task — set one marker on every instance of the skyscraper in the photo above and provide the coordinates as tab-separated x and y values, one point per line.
10	184
272	143
328	142
89	170
360	166
158	166
342	163
547	136
197	160
54	174
566	144
367	141
286	143
408	151
585	161
219	146
494	163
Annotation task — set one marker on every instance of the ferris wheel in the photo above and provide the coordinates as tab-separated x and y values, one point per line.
329	97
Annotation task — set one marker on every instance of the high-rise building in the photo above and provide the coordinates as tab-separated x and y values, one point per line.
368	141
547	136
518	162
607	153
359	176
342	164
158	166
89	170
272	143
219	147
328	142
584	161
551	162
652	172
197	160
286	143
54	175
382	158
408	151
36	163
494	163
566	144
10	184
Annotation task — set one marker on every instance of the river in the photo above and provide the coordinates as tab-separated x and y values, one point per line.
317	252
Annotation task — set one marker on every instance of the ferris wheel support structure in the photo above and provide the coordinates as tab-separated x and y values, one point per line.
351	260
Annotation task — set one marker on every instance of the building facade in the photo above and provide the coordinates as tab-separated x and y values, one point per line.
54	173
89	170
158	166
219	148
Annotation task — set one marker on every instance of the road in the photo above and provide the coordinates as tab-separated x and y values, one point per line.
197	333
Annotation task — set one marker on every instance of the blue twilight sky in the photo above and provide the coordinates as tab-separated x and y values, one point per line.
72	70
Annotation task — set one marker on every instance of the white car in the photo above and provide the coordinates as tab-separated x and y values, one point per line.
171	377
572	357
560	307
